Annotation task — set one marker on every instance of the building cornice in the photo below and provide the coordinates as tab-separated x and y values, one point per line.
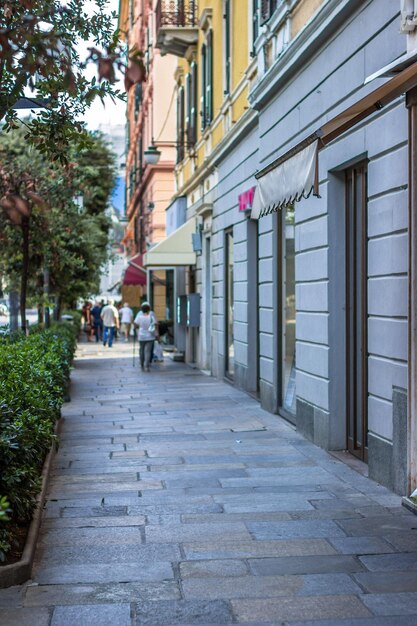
317	31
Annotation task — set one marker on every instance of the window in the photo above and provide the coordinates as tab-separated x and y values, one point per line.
206	99
191	115
267	9
138	99
180	124
227	46
255	22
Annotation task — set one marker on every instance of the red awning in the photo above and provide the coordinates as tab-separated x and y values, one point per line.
135	274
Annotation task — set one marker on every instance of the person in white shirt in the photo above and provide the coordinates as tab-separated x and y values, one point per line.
126	319
147	323
110	317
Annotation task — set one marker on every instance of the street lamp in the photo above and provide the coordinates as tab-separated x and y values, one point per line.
152	155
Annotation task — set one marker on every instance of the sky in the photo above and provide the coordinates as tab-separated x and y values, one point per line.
110	113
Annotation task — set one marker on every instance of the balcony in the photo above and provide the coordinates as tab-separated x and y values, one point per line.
176	26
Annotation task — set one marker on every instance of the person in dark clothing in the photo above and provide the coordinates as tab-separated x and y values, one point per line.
97	321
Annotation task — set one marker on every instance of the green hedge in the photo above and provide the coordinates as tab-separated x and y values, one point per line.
34	375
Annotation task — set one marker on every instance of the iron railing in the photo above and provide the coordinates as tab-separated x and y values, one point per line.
176	13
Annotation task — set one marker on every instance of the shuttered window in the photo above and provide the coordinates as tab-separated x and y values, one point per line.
206	98
180	124
191	115
227	47
267	9
255	21
209	78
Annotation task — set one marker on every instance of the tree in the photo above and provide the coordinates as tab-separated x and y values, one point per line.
43	226
39	50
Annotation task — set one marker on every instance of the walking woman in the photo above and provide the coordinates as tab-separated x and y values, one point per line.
147	323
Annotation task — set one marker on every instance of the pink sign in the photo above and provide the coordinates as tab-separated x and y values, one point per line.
246	199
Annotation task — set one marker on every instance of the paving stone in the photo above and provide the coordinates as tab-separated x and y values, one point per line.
360	621
93	522
87	536
196	532
102	573
25	617
215	518
391	562
361	545
111	553
262	503
103	614
269	586
12	597
215	567
278	530
180	507
387	582
379	525
50	595
392	603
183	612
304	565
403	541
287	609
247	549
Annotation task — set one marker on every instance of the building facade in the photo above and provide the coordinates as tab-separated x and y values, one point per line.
150	121
295	160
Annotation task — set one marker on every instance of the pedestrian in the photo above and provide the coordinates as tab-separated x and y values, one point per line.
110	317
86	319
148	332
97	321
126	319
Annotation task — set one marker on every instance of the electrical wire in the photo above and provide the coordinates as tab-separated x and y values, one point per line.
167	116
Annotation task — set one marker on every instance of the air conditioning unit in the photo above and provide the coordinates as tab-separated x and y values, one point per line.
408	15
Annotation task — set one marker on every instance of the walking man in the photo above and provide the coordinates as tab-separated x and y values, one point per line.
148	332
126	319
110	317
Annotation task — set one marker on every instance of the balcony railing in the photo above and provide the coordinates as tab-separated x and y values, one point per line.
176	25
176	13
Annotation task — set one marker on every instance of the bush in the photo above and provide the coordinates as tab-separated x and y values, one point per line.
34	374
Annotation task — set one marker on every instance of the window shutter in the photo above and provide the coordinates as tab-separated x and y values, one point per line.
227	45
180	124
209	78
255	20
140	156
193	108
188	106
203	86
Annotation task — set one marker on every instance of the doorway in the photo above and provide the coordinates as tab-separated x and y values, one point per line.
356	312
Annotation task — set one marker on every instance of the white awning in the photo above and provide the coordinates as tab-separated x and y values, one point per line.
175	250
290	180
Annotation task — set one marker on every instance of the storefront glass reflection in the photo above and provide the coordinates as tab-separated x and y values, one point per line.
288	313
230	349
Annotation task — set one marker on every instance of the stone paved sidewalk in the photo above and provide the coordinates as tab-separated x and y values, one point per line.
176	500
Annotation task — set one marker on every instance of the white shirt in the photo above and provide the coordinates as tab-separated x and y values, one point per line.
143	321
110	315
126	315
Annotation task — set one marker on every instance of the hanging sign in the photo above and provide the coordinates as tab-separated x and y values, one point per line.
246	199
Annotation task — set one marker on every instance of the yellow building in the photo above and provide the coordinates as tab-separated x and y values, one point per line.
224	49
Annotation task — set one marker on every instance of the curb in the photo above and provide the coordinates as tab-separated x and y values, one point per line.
20	572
